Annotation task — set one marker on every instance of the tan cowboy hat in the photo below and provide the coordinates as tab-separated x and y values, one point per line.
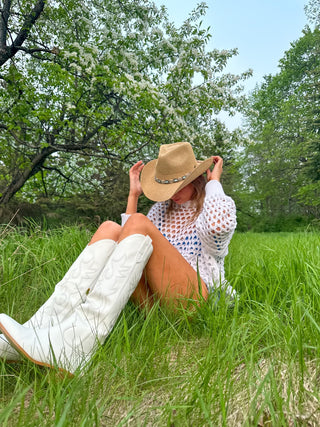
175	167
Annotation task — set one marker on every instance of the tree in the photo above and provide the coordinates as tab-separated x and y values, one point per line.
312	10
114	78
283	122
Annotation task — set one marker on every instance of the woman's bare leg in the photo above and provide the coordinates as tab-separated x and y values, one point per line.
107	230
168	274
142	296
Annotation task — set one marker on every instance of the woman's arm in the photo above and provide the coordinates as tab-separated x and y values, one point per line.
217	221
135	187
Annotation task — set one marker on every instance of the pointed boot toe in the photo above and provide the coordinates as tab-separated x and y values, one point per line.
30	343
7	352
16	334
46	347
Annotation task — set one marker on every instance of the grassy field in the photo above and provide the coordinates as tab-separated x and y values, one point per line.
253	364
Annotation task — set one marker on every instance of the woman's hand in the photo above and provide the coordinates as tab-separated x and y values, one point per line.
135	187
217	169
134	174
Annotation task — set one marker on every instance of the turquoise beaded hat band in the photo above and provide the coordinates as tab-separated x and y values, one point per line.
171	181
175	167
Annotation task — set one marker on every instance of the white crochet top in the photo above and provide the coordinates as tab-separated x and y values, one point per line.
203	241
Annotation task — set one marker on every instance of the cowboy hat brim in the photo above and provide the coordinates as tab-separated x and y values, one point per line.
159	192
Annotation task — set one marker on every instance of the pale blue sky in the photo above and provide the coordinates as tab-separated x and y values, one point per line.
262	30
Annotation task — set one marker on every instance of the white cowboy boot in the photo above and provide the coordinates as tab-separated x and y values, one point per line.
71	344
70	292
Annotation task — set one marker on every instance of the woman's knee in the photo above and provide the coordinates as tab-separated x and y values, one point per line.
137	222
107	230
109	227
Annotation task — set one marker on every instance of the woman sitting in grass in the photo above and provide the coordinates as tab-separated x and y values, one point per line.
155	256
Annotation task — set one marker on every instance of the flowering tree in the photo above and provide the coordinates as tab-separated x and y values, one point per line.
15	29
106	79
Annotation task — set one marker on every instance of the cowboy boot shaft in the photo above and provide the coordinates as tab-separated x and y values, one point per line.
73	289
68	293
116	283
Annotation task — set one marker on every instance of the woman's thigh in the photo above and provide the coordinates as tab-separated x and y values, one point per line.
168	274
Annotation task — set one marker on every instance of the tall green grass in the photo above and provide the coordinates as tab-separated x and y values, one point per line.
255	363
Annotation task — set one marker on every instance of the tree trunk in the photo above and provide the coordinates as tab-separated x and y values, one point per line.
7	52
21	177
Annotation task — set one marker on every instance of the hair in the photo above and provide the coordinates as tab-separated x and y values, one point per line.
197	198
199	193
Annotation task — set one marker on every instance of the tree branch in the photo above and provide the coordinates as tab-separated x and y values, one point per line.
29	22
38	49
7	52
5	13
49	168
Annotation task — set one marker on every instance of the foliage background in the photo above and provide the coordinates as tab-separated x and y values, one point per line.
87	89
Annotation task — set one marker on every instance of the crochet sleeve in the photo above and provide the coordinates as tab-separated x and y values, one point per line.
217	220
